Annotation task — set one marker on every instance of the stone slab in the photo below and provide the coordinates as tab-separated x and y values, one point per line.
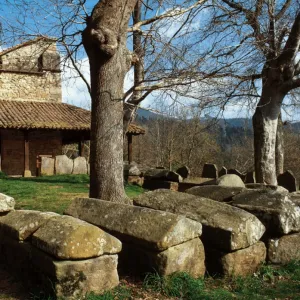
21	224
262	186
210	171
7	203
47	166
64	279
215	192
274	209
242	262
65	237
288	181
159	184
63	165
284	249
187	257
183	171
224	226
223	171
147	227
231	180
80	165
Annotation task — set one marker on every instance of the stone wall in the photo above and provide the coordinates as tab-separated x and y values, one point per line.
40	143
31	73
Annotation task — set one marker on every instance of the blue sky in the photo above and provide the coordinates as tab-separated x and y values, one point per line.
40	18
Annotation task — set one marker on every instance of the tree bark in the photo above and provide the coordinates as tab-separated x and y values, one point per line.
131	108
104	40
279	155
265	122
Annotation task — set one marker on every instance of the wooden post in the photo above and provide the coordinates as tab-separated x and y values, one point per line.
27	172
81	146
0	152
129	138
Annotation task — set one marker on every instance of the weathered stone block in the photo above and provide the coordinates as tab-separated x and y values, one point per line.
65	237
262	186
274	209
210	171
47	166
215	192
155	230
250	177
63	165
242	262
159	184
284	249
223	171
159	174
62	279
231	180
21	224
80	165
7	203
187	257
184	172
288	181
236	172
224	226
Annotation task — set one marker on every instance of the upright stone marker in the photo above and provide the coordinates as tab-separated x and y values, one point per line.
47	166
230	180
236	172
250	177
288	181
63	165
80	165
223	171
210	171
184	172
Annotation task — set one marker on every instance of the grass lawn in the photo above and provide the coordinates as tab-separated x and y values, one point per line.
50	193
54	193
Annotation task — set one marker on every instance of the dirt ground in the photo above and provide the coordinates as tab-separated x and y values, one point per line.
10	288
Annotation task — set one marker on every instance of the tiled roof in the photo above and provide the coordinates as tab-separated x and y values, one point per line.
47	115
26	43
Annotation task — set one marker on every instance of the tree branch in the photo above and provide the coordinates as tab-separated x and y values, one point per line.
283	10
170	14
292	45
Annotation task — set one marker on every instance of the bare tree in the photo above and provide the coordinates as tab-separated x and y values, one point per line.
104	28
258	41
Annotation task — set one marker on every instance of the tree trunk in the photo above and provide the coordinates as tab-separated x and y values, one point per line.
130	108
265	122
279	147
104	40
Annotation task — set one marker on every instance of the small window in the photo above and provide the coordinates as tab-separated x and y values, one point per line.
40	63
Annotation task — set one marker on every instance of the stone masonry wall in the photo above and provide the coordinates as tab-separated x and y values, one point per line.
31	73
12	149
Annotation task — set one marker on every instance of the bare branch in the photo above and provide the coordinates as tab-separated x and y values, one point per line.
170	14
292	45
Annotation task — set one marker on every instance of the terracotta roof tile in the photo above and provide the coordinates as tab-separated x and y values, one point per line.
47	115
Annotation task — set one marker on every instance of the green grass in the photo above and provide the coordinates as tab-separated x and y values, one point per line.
50	193
269	283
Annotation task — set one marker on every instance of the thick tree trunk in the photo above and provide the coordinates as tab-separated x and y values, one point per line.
265	122
279	154
105	42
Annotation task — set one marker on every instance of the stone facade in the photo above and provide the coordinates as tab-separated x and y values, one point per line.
31	72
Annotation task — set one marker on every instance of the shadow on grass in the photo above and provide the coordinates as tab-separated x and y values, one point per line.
70	179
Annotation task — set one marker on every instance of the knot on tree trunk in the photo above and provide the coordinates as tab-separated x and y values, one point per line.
105	39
